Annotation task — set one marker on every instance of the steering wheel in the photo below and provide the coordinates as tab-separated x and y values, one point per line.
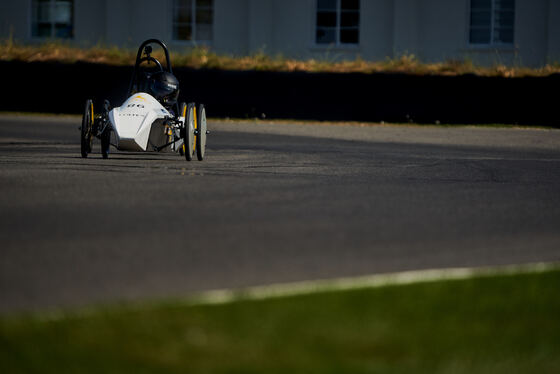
151	59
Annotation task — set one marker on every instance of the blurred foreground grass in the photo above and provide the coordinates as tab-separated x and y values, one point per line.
202	57
490	324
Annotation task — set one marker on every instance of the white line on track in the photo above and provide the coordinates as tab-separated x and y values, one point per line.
360	282
225	296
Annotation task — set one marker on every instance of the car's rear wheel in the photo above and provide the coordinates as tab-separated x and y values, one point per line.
182	112
201	132
188	112
87	129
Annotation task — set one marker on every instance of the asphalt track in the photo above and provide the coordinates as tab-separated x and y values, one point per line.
271	203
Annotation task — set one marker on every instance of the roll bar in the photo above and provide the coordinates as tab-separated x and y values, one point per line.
140	59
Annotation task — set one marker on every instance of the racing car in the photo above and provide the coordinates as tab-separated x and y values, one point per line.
151	119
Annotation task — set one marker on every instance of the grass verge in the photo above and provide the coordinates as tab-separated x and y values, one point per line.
204	58
486	324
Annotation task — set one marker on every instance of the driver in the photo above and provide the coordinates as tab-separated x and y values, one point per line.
164	87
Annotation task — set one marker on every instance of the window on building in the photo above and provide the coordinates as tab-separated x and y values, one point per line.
338	22
52	18
193	20
492	22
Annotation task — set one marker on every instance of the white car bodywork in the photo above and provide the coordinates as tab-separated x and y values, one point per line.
140	124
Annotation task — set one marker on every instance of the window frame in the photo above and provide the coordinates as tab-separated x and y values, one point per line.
491	44
52	34
338	28
194	40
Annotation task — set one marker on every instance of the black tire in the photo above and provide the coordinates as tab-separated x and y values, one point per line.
201	128
182	113
188	130
106	134
87	129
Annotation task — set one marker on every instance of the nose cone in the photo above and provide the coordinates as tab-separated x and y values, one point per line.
133	121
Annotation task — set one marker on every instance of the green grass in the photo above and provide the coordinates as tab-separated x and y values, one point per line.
492	324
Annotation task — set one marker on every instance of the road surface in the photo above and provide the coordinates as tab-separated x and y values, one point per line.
271	203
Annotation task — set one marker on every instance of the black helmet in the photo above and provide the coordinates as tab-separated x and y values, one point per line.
164	87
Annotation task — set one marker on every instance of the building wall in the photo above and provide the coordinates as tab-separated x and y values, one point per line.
531	21
231	27
432	30
117	23
14	19
377	39
406	27
128	23
89	21
377	24
291	31
149	19
260	25
553	37
287	27
451	17
444	30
